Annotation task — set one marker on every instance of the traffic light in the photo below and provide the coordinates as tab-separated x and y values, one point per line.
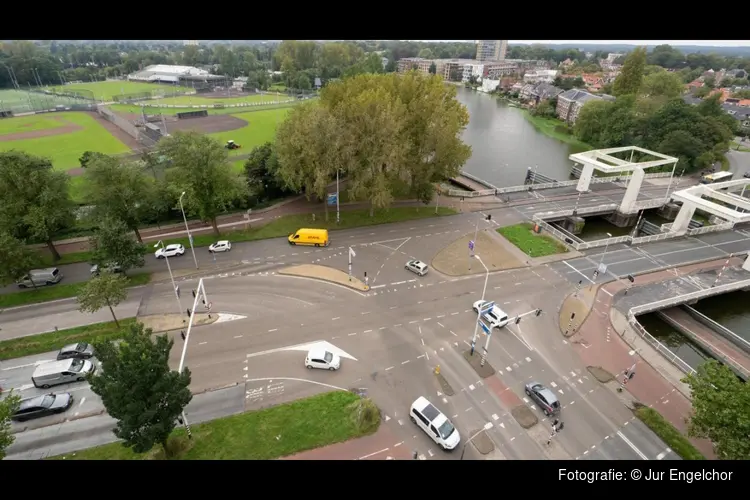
518	319
538	312
189	312
631	278
182	334
365	274
194	293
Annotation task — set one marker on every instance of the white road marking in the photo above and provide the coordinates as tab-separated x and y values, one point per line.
632	446
273	330
334	319
83	400
663	454
404	362
201	343
389	368
494	416
238	336
607	292
553	384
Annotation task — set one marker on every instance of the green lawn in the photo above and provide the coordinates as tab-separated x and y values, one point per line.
104	91
261	128
277	87
287	224
58	291
196	100
551	127
668	433
267	434
52	341
64	150
28	124
239	165
532	244
128	108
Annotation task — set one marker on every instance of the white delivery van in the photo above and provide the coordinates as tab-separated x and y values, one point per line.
62	372
434	424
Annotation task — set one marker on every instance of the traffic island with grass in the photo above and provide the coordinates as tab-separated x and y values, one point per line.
59	291
668	433
52	341
275	432
531	243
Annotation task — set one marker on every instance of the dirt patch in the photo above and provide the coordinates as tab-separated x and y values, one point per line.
482	442
454	259
66	128
600	374
208	124
524	416
324	273
167	322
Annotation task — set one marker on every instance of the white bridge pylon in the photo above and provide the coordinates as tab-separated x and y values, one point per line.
603	161
722	194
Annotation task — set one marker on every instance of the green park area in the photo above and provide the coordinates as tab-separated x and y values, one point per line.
267	434
668	433
197	100
531	243
261	128
104	91
52	341
63	149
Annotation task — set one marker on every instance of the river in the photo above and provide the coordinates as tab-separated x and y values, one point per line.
504	143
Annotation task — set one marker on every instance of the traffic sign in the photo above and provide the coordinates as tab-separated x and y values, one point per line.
486	307
332	199
484	327
471	244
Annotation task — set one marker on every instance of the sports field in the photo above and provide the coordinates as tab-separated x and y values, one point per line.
105	90
62	137
261	128
21	101
191	100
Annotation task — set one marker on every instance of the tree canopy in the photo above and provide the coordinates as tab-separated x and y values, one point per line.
139	389
721	410
113	243
105	290
628	82
262	173
15	259
8	406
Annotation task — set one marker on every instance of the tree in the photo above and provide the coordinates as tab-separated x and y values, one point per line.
35	202
113	243
662	84
261	170
629	80
87	156
721	405
433	69
201	170
107	289
118	191
15	259
426	54
139	389
8	406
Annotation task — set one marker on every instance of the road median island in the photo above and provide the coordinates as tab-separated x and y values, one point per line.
532	244
453	260
668	433
271	433
59	291
575	310
324	273
160	323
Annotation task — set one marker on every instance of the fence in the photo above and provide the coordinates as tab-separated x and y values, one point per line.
576	172
192	114
218	105
661	348
718	328
119	121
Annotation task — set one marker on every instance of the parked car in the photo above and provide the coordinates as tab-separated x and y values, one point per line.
496	316
111	267
417	267
81	350
220	246
320	358
434	423
40	277
543	397
747	175
42	406
170	251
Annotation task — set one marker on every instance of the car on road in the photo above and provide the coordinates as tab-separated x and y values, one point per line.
64	371
436	425
220	246
81	350
42	406
325	360
496	316
307	236
417	267
747	175
170	251
543	397
40	277
110	267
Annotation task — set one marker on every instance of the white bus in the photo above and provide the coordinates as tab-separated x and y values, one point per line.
716	177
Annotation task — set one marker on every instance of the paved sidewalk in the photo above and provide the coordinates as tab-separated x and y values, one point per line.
598	343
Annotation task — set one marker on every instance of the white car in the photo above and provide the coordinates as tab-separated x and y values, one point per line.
325	360
220	246
417	267
170	251
496	316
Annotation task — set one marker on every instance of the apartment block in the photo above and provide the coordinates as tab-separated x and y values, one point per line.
491	50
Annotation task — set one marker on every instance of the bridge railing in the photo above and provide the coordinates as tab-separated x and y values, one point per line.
661	348
681	299
557	233
652	237
710	229
580	211
585	245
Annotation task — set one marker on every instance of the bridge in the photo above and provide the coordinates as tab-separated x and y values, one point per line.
717	199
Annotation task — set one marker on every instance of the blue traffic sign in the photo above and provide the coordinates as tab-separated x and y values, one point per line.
332	198
471	245
484	327
486	307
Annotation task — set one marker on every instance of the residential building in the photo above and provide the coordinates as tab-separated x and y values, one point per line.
737	73
567	63
613	56
190	42
499	70
593	83
239	83
489	85
517	87
544	75
570	103
491	50
472	69
409	63
739	113
525	93
544	91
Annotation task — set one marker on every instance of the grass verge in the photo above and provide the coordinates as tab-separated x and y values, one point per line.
267	434
554	128
530	243
52	341
668	433
66	258
59	291
287	224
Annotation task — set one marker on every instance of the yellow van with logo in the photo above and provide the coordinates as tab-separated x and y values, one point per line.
314	237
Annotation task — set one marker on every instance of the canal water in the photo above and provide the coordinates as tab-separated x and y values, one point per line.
505	144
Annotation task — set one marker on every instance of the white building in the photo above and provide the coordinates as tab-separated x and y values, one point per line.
489	85
190	42
472	69
163	73
539	76
239	82
491	50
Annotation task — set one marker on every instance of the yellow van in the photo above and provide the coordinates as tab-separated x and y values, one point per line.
315	237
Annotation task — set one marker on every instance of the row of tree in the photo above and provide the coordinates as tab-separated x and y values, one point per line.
650	112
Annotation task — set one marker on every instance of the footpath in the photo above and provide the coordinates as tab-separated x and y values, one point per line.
603	338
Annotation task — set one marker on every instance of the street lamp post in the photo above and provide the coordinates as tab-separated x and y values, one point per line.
338	211
486	427
479	309
190	236
171	277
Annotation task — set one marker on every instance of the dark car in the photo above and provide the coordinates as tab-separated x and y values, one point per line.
111	267
81	350
545	398
42	406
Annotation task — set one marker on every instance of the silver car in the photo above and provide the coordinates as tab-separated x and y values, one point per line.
417	267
